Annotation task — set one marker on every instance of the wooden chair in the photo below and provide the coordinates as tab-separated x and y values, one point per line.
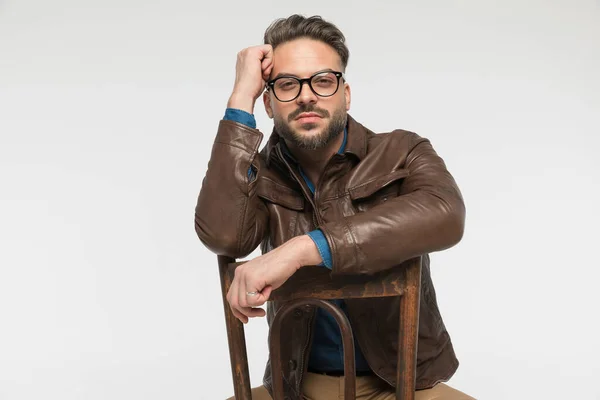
313	285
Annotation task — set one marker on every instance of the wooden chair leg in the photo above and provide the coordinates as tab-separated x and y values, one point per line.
408	333
347	342
235	338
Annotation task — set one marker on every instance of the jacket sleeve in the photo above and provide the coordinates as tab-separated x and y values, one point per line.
427	216
230	218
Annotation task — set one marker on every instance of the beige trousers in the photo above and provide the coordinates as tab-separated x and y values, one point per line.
323	387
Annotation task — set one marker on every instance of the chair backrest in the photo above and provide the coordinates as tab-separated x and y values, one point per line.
314	285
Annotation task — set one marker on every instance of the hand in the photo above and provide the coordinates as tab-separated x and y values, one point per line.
252	70
267	273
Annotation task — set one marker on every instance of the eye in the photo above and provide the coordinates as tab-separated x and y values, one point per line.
324	80
286	84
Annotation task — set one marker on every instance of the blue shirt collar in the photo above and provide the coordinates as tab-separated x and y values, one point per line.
343	146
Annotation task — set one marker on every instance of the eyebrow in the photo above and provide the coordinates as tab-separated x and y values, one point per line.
279	75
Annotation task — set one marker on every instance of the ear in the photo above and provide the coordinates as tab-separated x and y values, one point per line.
347	95
267	102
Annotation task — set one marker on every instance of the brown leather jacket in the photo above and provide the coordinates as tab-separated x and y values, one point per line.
388	198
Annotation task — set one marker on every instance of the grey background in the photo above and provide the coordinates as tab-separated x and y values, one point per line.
108	110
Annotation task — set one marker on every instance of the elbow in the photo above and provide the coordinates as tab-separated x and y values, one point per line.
217	241
454	225
458	228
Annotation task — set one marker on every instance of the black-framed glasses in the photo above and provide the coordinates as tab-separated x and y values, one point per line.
288	88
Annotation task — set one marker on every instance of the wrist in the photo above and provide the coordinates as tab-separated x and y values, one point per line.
241	102
307	252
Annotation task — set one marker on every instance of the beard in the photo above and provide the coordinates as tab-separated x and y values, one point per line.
315	141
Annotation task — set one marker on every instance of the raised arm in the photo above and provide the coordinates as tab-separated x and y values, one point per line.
230	218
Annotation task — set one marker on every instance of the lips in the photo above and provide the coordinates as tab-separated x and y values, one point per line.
308	116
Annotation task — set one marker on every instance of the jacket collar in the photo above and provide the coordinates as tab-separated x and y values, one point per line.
357	139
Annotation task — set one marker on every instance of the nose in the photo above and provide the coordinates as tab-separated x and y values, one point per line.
306	95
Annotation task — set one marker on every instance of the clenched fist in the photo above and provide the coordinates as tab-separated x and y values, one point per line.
252	70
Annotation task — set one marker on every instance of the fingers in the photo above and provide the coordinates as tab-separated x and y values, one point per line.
241	307
250	312
244	313
232	299
257	300
250	306
266	67
267	50
266	74
239	315
261	298
248	302
267	61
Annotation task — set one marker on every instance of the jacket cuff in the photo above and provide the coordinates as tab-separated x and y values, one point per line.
319	238
241	116
339	236
240	136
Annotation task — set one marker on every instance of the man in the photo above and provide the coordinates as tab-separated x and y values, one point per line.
326	192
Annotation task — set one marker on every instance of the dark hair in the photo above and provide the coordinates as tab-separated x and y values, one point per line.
296	26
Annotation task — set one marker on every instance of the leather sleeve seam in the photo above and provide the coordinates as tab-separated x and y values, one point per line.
354	241
236	146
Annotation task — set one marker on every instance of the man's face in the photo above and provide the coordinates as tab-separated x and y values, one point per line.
302	58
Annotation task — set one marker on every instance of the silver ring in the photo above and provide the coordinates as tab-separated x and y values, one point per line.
251	293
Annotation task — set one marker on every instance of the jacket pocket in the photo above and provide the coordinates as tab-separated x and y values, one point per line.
377	190
279	194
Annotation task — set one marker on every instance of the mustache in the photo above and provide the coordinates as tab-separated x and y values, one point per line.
308	108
